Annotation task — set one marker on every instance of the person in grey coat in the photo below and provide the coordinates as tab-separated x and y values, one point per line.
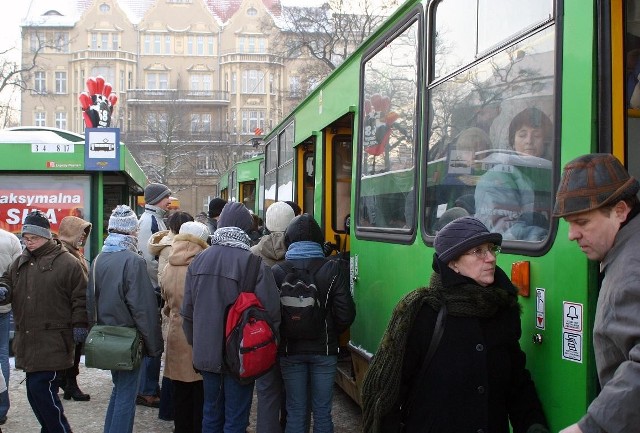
121	294
599	201
214	280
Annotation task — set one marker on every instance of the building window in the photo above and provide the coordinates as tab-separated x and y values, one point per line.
190	45
211	44
129	82
62	42
200	42
121	87
272	85
157	40
157	80
200	83
253	82
206	162
40	118
262	45
104	37
252	44
234	122
167	44
94	41
294	86
61	82
40	82
147	44
115	42
241	44
252	12
201	123
252	120
61	120
234	83
157	122
104	8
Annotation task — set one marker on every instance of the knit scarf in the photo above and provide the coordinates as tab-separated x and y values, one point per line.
304	250
231	237
463	297
120	242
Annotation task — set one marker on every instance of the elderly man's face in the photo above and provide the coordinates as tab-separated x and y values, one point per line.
595	231
33	242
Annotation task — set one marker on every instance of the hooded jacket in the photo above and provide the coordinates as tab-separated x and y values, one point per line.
159	246
271	248
179	358
70	234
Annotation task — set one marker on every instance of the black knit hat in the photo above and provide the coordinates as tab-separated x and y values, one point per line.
303	228
37	223
592	181
235	214
155	192
461	235
215	207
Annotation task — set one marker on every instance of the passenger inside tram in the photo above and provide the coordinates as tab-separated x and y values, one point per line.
505	196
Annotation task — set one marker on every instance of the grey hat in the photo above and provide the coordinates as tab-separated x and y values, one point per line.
235	214
155	192
123	220
592	181
278	216
37	223
461	235
450	215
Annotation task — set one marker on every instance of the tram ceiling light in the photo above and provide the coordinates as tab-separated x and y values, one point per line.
520	277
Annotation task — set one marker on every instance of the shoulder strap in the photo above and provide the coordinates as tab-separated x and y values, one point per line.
433	346
95	300
253	269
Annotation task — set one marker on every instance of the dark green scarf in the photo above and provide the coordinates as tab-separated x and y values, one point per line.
463	297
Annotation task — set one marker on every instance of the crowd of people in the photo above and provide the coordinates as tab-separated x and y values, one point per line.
450	348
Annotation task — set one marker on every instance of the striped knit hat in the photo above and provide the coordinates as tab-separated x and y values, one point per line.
37	223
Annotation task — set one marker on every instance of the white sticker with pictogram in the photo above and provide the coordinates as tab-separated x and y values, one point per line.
572	346
540	308
572	316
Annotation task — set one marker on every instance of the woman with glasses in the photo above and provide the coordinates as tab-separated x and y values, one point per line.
450	360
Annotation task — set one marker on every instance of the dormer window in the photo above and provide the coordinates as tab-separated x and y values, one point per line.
104	8
252	12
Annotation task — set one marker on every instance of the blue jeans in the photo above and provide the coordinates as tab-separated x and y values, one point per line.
150	373
4	361
227	404
122	405
300	372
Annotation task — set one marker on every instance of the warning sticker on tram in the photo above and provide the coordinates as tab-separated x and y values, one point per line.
572	346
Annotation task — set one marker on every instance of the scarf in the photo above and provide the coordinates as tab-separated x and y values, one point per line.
120	242
231	237
463	297
304	250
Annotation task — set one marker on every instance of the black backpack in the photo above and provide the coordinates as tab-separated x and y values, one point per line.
302	306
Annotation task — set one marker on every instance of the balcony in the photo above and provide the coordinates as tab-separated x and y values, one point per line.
165	96
104	55
270	59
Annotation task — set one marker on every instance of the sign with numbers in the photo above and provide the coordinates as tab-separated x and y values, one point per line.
52	148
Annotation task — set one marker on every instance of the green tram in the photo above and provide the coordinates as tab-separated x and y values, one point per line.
45	168
243	183
408	127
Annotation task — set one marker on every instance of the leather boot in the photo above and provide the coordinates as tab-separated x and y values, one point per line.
72	391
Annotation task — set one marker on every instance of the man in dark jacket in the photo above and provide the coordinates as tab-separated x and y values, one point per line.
214	280
46	332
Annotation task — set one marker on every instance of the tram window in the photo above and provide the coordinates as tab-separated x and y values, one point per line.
494	21
271	155
386	190
491	140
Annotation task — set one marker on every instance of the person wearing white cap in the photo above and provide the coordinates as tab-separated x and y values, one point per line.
188	394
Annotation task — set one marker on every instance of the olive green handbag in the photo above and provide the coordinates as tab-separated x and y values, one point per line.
111	347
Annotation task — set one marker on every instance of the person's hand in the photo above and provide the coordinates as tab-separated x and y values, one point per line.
3	293
97	104
80	335
572	429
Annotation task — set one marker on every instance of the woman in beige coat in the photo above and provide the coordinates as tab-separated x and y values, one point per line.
187	384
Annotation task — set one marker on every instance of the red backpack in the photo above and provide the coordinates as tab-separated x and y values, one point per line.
251	344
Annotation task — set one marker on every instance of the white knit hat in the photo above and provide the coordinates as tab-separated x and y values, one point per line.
196	229
278	216
123	220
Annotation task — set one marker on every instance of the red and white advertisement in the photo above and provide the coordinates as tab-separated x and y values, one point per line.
55	199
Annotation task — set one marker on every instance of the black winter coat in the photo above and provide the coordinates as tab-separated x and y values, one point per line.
477	380
332	280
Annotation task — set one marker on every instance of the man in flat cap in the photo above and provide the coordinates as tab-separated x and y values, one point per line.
599	200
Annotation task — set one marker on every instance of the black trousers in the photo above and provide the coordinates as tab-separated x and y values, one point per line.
188	398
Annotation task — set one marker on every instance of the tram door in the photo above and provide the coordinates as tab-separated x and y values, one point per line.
628	150
306	176
337	184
